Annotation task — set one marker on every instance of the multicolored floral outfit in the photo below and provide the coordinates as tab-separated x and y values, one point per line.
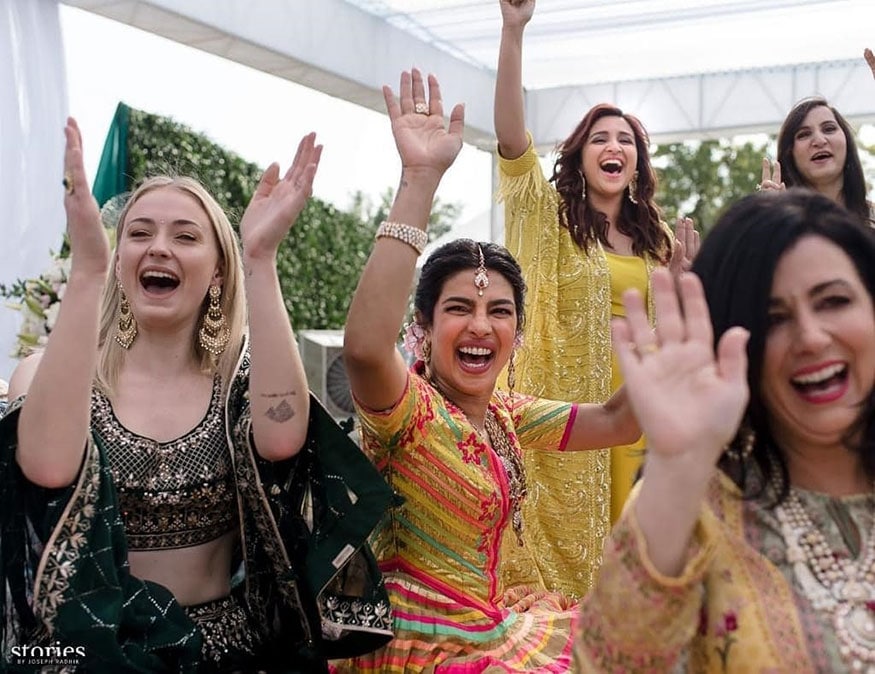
440	551
737	607
566	355
306	588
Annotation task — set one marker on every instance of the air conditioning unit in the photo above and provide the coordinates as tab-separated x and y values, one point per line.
322	354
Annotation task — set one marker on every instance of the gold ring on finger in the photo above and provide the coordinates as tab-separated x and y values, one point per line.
421	108
68	183
646	349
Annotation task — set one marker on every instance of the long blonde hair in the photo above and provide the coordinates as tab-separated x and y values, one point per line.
112	355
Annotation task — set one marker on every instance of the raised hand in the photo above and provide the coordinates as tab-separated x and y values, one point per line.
688	402
686	246
277	203
423	142
870	59
771	176
89	246
516	12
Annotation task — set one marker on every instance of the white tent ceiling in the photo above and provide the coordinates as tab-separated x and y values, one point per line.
687	68
573	42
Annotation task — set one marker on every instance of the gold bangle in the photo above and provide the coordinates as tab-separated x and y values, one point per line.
413	236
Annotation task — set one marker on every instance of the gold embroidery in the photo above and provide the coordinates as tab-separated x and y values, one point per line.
171	494
63	549
566	356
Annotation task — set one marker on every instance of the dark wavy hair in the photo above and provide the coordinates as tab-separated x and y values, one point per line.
640	222
463	254
853	181
737	263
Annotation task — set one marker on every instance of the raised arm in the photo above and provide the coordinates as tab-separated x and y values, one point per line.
278	392
427	148
689	405
509	113
54	424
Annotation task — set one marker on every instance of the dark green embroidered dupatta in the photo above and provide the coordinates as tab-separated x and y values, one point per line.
81	594
310	575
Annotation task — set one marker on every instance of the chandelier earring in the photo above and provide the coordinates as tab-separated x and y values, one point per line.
214	335
511	373
426	355
582	184
633	188
126	330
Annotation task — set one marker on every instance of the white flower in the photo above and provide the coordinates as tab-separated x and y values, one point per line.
52	315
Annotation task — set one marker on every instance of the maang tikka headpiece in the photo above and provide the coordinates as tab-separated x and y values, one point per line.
481	277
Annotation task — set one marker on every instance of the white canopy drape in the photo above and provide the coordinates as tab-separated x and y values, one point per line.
33	107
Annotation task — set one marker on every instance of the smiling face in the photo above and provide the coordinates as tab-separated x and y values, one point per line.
167	257
819	359
472	336
820	149
609	156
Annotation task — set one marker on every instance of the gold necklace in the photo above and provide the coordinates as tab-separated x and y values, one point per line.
844	588
513	468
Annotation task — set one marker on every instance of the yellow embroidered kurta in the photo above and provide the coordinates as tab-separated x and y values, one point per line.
566	355
736	607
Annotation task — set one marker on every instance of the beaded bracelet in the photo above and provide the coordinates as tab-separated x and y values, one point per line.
413	236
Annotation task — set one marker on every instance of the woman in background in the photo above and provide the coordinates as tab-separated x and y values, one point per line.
816	149
582	238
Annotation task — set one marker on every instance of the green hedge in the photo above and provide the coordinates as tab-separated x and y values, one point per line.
321	259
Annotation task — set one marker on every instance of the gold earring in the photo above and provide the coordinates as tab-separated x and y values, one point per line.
582	185
126	331
426	355
214	335
511	373
633	188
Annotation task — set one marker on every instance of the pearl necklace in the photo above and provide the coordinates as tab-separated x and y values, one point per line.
843	587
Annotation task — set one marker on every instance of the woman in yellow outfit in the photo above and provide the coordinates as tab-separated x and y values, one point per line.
582	238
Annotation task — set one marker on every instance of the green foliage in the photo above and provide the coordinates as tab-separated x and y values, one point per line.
321	259
320	262
700	178
158	145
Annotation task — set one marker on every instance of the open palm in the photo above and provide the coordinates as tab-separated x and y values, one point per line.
277	203
423	142
89	245
686	399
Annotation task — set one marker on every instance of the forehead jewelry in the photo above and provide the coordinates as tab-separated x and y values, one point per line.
481	278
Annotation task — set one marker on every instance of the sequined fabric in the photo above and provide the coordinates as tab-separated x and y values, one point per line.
172	494
230	636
